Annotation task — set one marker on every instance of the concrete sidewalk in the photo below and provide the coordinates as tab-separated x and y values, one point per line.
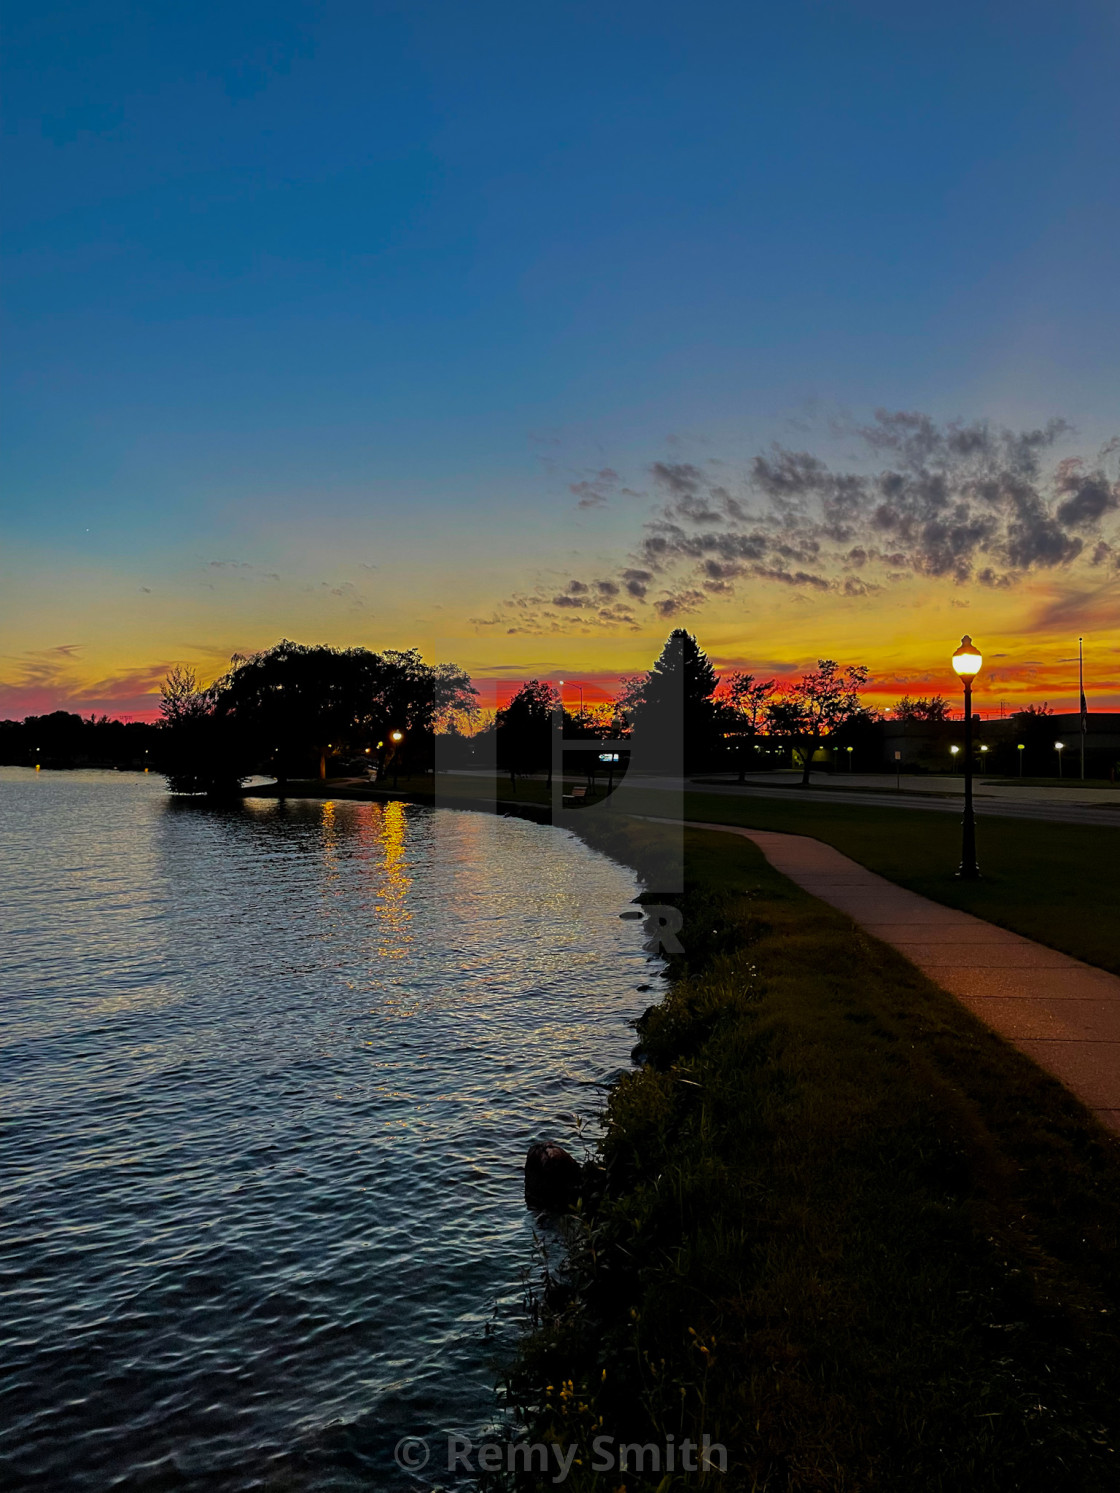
1062	1013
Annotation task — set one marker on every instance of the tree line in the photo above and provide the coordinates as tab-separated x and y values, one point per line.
685	718
63	739
300	711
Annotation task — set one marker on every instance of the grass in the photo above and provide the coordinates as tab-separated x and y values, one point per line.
1056	883
844	1229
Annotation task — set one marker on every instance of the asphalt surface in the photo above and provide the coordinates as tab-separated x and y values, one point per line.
1106	814
990	804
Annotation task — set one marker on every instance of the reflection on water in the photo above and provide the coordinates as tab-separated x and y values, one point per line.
268	1079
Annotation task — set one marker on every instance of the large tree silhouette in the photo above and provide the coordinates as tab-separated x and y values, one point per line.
289	709
524	730
671	708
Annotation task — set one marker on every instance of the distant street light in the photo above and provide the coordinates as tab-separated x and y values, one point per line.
579	687
849	759
966	664
396	737
1022	748
1059	747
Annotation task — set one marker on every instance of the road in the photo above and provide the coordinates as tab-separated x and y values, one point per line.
941	795
1008	803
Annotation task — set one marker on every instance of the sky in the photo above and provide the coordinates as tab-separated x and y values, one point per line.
522	334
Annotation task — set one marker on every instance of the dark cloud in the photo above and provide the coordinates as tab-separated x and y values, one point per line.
673	604
636	582
1088	496
595	490
679	478
955	500
965	502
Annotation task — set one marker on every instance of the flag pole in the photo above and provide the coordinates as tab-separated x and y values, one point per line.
1084	708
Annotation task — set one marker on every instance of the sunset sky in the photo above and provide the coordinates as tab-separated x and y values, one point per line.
524	333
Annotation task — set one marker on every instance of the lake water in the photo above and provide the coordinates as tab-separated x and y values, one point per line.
269	1076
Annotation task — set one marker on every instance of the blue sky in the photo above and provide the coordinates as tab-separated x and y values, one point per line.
285	284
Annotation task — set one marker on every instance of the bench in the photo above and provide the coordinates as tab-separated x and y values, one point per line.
576	796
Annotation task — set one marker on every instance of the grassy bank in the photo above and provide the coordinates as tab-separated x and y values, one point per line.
846	1231
1057	883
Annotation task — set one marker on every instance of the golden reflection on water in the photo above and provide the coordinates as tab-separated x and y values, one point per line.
393	913
381	835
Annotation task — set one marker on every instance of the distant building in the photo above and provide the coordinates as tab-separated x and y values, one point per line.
928	745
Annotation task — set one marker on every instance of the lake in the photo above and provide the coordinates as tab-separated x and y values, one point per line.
269	1076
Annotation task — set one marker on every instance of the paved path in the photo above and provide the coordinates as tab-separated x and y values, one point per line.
1062	1013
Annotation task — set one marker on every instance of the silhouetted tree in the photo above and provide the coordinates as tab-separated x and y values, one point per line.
296	704
199	752
742	707
822	701
922	708
671	709
525	729
291	705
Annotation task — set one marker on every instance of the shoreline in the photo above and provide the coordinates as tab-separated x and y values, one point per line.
844	1228
828	1189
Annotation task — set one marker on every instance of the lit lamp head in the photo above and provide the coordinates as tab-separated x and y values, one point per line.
397	736
967	659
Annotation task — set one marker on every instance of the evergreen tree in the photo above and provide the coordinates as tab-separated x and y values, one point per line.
671	708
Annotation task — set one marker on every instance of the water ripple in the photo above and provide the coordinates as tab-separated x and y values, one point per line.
268	1078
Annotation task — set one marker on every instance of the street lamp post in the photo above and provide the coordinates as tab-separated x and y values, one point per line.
1059	747
578	686
1022	749
396	737
849	759
966	664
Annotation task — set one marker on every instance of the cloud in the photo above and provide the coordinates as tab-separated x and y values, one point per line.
1089	495
675	603
964	502
44	680
595	490
1077	608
